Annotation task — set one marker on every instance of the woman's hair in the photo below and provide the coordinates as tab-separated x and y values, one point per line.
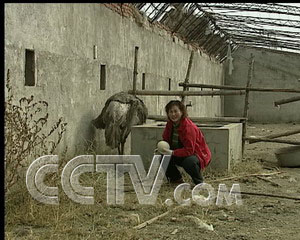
179	104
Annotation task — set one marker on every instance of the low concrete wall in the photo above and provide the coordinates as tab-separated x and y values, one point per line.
272	69
63	37
224	141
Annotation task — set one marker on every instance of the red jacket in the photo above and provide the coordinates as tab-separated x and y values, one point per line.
192	139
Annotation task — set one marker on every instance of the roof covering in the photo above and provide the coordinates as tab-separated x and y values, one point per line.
215	26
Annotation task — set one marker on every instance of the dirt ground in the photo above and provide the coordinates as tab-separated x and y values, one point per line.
259	217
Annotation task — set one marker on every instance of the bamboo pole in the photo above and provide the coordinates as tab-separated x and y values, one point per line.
183	97
288	100
202	119
246	106
135	72
271	136
262	139
184	93
228	87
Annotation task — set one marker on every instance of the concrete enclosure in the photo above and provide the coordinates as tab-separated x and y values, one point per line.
272	69
224	141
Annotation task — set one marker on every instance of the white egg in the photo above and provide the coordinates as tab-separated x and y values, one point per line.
162	144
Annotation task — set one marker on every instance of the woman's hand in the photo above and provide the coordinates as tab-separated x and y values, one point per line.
166	151
156	152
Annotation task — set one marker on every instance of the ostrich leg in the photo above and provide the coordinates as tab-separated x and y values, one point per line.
119	150
122	147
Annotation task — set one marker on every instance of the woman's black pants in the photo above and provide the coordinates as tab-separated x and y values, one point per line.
190	164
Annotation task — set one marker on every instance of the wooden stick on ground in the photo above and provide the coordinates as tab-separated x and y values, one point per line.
261	139
271	136
270	195
144	224
249	175
269	181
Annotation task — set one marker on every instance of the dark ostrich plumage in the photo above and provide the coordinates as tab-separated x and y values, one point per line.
120	113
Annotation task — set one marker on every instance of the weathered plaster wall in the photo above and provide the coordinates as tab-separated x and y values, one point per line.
68	77
271	70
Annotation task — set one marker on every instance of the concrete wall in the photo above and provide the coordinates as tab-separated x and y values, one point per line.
271	70
63	37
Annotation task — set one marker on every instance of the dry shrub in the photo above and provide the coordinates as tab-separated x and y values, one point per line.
25	133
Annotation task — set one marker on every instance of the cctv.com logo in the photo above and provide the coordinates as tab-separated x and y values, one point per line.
146	186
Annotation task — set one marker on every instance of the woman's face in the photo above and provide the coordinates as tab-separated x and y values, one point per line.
175	114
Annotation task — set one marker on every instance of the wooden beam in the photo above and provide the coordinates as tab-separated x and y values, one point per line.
184	93
187	77
288	100
246	106
135	72
202	119
198	85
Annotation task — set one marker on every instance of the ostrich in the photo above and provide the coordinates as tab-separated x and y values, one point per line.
120	113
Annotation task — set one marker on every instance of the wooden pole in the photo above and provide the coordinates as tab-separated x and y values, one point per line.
246	106
228	87
144	224
202	119
184	93
135	72
187	77
244	176
261	139
268	195
288	100
277	135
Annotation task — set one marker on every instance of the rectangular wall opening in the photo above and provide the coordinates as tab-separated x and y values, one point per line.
143	81
29	67
102	77
169	84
